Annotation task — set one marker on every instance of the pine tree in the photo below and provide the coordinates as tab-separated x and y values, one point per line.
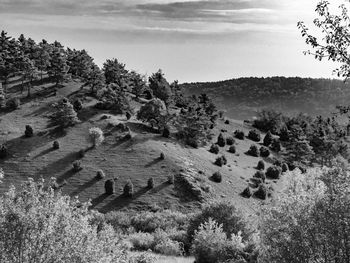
65	114
42	57
58	67
160	87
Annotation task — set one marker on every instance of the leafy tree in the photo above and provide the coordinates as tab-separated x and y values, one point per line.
79	62
28	71
160	87
42	57
64	114
138	84
115	72
40	225
58	67
94	78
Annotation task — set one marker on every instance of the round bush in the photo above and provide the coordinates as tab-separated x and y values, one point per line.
221	140
239	134
261	175
261	165
267	139
150	183
56	145
273	172
100	175
261	193
227	122
109	187
220	161
276	145
264	152
217	177
77	166
13	104
78	105
254	135
29	131
3	151
247	192
128	189
230	140
232	149
284	167
214	149
253	151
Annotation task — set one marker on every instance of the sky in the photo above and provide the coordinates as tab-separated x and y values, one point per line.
205	40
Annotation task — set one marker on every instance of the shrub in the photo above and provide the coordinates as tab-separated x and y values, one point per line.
166	132
142	241
254	135
227	122
247	192
29	131
284	167
239	134
100	175
13	104
261	193
230	140
276	145
128	189
261	175
81	153
232	149
214	149
273	172
169	247
267	139
150	183
171	179
261	165
221	140
220	161
222	212
253	151
96	136
77	166
217	177
3	151
162	156
56	145
264	152
109	187
77	105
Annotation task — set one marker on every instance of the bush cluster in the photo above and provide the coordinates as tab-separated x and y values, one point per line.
261	175
264	152
284	167
220	161
273	172
247	192
261	193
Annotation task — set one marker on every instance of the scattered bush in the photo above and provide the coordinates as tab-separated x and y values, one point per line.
261	175
3	151
227	121
273	172
264	152
77	166
221	140
254	135
220	161
267	139
276	145
247	192
239	134
128	189
56	145
150	183
261	165
100	175
284	167
214	148
29	131
230	140
232	149
13	104
81	153
96	136
109	187
77	105
253	151
171	179
162	156
217	177
261	193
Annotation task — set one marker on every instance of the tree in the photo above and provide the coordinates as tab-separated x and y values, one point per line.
138	84
115	72
29	72
79	62
40	225
155	113
65	114
42	57
58	67
160	87
94	78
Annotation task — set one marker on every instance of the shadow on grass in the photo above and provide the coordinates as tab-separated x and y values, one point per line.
97	200
84	186
44	152
155	161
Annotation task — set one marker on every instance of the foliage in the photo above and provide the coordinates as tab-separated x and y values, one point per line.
261	165
261	175
254	135
220	161
221	140
261	193
115	72
276	145
109	187
77	166
128	189
214	148
40	225
64	114
247	192
58	67
273	172
56	145
100	175
284	167
253	150
78	105
96	136
239	134
232	149
268	139
268	121
155	113
150	183
29	131
217	177
230	140
13	103
160	87
264	152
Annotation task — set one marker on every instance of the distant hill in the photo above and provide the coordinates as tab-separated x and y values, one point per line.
243	97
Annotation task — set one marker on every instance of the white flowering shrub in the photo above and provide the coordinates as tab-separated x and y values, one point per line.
39	225
96	136
310	221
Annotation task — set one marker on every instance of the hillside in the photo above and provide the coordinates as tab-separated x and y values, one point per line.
243	97
136	159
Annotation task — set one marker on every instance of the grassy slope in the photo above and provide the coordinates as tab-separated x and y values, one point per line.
136	159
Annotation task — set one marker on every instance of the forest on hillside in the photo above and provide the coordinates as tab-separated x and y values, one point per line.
243	97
